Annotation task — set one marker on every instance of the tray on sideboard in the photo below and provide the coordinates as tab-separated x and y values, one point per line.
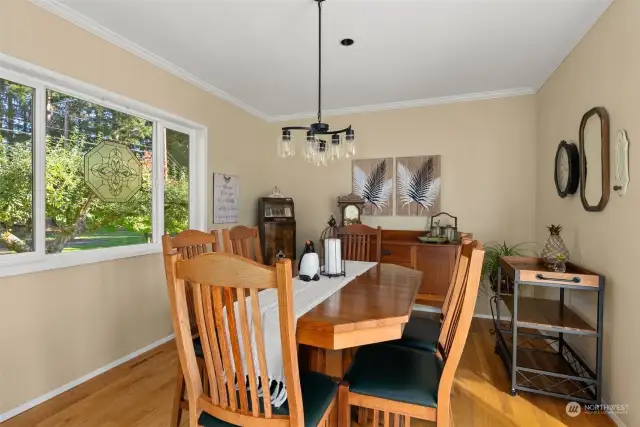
533	270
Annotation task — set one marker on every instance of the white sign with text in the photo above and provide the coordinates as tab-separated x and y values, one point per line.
226	190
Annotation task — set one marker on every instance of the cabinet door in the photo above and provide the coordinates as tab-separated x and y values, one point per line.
436	264
279	236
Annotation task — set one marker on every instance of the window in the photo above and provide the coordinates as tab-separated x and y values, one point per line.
176	181
78	218
87	175
16	168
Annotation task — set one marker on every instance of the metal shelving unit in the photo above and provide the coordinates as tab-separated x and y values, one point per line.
532	344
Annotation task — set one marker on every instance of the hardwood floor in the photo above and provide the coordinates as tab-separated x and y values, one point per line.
140	393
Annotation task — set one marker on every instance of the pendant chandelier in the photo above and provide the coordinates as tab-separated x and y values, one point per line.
321	144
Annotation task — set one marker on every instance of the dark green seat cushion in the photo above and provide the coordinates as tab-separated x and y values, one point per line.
420	333
197	346
401	374
318	390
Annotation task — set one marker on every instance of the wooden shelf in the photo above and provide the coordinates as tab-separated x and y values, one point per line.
544	314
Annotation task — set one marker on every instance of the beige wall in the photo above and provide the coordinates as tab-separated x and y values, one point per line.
603	70
488	166
60	325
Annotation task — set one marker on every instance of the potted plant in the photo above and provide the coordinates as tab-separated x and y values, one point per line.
492	254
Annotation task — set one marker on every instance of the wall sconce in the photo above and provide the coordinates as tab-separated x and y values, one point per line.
622	163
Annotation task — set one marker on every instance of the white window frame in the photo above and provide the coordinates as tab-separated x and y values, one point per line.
41	79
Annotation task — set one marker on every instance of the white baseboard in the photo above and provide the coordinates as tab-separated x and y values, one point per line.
616	419
53	393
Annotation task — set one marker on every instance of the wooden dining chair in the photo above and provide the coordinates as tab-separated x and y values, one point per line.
243	241
222	283
405	383
360	242
422	332
188	244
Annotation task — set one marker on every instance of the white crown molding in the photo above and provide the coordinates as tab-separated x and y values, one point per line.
67	13
409	104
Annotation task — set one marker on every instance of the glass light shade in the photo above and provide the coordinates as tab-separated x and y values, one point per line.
350	143
321	156
349	149
335	151
310	148
286	146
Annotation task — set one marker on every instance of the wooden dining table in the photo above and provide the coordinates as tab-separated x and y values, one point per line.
374	307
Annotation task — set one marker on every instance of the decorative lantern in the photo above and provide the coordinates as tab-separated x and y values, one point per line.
333	265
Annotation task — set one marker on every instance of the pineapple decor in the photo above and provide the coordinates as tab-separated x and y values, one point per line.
554	249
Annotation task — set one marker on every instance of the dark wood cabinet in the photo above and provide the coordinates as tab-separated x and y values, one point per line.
277	227
435	261
278	236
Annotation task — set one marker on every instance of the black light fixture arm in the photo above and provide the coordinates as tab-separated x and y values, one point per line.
316	132
335	132
307	128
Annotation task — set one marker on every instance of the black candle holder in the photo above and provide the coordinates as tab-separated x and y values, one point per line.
331	233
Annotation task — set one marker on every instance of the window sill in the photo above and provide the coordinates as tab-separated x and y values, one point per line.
72	259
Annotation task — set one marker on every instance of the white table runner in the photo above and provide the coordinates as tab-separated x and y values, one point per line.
306	296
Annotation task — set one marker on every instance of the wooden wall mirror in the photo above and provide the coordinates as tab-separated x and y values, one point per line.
594	159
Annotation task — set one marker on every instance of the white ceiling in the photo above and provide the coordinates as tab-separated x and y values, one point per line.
262	54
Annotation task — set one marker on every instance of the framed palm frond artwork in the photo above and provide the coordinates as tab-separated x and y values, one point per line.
418	182
372	179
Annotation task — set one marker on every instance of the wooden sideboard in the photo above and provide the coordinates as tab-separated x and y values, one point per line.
435	261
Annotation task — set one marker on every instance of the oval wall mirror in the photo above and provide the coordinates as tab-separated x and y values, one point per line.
594	159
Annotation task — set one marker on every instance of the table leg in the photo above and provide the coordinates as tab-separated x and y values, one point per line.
317	359
346	358
331	362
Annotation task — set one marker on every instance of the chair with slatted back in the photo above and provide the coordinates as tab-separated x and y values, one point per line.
227	305
243	241
404	383
422	332
360	242
188	244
